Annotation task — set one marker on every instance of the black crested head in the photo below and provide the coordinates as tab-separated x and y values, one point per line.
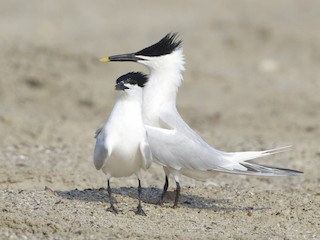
134	78
165	46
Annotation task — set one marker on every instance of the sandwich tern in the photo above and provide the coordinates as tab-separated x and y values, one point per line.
174	144
121	146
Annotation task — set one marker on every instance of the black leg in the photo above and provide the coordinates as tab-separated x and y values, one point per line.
112	207
165	188
176	200
139	208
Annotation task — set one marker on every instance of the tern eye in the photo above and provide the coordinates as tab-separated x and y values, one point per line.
131	81
133	78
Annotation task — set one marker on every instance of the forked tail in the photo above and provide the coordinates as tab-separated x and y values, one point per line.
253	168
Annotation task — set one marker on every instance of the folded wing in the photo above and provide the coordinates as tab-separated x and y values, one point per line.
100	150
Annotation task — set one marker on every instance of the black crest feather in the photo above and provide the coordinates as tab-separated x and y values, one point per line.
165	46
134	78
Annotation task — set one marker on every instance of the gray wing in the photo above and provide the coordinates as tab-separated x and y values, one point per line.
181	147
176	150
100	150
98	131
146	153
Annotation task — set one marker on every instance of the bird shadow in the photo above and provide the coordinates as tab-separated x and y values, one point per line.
152	195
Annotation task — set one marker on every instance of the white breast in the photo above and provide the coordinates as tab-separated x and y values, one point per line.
124	132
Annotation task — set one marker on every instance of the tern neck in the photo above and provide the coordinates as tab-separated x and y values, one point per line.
162	86
131	96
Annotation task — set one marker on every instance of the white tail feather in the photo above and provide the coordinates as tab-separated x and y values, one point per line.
249	155
252	168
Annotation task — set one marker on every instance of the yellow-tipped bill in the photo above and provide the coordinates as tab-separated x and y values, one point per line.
106	59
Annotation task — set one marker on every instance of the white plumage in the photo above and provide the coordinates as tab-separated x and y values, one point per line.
174	144
121	146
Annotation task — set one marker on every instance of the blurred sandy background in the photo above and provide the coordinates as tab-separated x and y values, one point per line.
252	82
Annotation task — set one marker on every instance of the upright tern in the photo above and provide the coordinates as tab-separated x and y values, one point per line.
174	144
121	147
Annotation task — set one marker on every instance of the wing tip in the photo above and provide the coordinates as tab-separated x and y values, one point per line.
266	170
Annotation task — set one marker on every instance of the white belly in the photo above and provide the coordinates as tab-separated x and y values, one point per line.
123	163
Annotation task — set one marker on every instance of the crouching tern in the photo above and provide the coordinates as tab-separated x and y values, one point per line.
174	144
121	146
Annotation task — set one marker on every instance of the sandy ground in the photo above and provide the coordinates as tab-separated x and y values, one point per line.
252	82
